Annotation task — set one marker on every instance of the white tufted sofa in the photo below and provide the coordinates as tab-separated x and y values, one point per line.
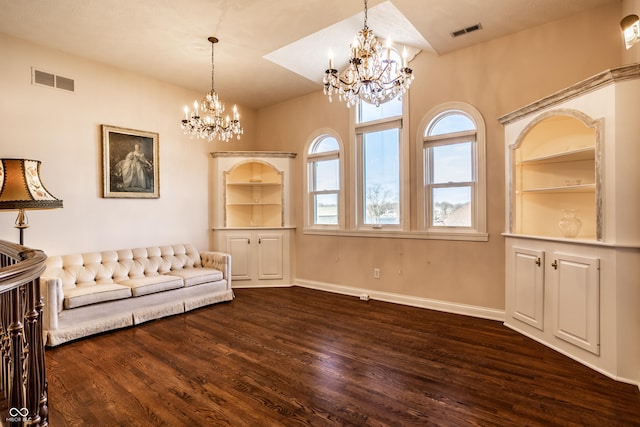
89	293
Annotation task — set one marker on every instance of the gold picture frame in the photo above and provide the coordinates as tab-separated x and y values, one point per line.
130	163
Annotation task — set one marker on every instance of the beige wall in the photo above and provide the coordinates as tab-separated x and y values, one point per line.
62	130
496	77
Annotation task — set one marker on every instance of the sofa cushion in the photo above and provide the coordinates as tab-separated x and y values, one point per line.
197	276
94	293
152	284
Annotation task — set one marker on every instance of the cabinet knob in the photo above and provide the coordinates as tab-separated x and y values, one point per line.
538	261
554	264
248	241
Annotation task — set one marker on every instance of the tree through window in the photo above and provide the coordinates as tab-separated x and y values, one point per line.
379	135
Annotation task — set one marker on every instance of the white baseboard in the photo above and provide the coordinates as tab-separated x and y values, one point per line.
446	306
235	285
571	355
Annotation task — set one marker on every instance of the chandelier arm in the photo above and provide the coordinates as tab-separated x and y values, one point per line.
383	71
347	83
356	69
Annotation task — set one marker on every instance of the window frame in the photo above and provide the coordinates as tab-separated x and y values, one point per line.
478	229
357	169
309	160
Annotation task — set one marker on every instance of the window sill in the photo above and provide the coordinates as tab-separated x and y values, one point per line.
401	234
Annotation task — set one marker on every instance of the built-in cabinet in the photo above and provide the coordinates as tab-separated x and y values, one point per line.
257	254
568	287
572	230
251	215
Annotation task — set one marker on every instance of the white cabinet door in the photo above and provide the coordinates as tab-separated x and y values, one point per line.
528	286
576	286
239	246
256	255
270	259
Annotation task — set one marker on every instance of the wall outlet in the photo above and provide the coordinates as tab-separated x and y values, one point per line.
376	273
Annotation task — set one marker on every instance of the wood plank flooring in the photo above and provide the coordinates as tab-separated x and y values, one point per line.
298	357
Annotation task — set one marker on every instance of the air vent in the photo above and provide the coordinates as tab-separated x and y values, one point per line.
467	30
51	80
64	83
45	79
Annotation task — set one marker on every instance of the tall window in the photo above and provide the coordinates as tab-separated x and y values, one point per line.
380	165
324	182
452	157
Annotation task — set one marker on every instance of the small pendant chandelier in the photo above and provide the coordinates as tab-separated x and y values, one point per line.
205	120
373	75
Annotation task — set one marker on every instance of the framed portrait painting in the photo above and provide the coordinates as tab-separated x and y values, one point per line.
130	163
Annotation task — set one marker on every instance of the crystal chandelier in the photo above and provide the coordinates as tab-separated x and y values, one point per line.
205	120
373	75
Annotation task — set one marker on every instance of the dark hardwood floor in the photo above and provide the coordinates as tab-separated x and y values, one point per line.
294	356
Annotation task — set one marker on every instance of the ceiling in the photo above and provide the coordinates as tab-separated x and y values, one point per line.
269	50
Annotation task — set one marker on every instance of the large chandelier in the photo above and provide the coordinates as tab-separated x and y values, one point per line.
373	75
205	120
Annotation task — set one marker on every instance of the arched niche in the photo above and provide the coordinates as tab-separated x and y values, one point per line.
556	168
253	195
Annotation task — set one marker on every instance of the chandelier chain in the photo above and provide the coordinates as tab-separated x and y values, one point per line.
366	8
213	65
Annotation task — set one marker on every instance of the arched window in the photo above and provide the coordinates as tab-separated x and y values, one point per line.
324	208
381	165
452	162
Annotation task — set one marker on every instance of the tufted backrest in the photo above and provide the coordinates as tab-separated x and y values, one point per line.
111	266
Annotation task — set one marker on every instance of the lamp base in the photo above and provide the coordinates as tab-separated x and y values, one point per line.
21	223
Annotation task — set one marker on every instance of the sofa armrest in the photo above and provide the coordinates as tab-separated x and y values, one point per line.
52	295
220	261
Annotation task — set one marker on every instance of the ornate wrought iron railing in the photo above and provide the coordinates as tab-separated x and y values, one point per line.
23	381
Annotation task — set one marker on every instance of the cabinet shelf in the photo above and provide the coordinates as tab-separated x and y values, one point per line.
253	184
584	153
582	188
254	204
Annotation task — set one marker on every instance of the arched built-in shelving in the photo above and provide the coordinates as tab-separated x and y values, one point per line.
253	195
251	215
555	169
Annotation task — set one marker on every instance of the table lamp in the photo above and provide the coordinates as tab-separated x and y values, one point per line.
21	188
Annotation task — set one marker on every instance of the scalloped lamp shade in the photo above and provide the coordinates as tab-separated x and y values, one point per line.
21	188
